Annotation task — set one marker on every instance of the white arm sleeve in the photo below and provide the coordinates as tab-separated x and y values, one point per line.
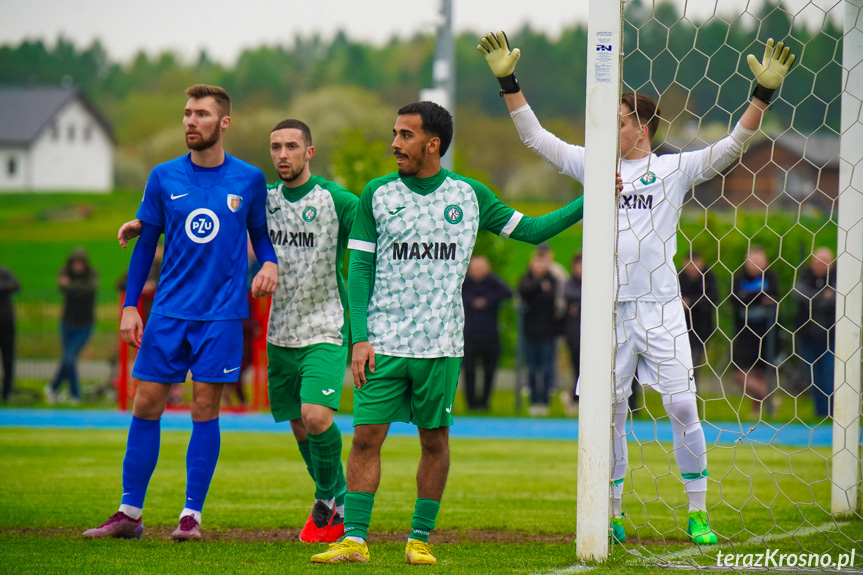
703	165
548	146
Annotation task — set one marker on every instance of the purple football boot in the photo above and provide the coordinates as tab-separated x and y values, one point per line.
119	526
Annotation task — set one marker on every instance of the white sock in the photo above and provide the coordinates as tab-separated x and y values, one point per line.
196	514
340	510
133	512
619	453
616	507
690	448
697	501
331	502
356	539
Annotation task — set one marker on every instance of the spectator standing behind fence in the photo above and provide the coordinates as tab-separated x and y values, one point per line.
815	293
572	331
8	286
79	282
482	293
699	292
538	289
545	252
755	294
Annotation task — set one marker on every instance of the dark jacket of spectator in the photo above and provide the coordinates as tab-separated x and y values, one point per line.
481	321
701	293
8	286
572	319
539	311
79	290
755	313
816	312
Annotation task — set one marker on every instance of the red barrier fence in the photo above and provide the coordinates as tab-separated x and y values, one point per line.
255	375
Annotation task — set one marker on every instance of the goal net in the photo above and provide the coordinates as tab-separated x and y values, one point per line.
769	252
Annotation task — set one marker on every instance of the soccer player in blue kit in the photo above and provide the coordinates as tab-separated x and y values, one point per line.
205	203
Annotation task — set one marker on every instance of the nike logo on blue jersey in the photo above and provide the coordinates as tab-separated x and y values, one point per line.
274	211
173	197
226	370
397	210
328	391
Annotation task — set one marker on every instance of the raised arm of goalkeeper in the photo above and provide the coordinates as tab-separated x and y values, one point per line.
769	74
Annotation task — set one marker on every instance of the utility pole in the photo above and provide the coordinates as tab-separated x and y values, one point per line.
443	72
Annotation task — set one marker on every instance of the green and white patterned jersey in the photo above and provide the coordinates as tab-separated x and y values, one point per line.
422	233
309	228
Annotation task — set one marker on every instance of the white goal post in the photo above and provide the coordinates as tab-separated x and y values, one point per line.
598	295
849	272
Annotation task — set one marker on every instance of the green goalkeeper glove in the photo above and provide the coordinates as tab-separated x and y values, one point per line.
772	69
502	61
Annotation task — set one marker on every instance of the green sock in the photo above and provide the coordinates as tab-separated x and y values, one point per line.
306	452
341	487
327	461
358	513
425	514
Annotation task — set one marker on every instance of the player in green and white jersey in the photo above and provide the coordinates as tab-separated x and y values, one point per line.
411	244
309	220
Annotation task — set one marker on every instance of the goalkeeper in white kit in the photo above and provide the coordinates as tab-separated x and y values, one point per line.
652	341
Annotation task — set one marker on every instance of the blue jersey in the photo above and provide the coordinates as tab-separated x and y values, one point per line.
205	213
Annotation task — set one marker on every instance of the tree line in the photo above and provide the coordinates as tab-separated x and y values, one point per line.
697	68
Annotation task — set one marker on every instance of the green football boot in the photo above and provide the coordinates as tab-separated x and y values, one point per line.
616	534
616	529
699	529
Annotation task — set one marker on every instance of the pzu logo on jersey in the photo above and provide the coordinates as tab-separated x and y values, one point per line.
202	226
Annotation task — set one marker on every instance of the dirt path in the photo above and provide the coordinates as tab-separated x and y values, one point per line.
292	535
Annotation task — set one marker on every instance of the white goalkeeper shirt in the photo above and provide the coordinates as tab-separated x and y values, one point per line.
649	205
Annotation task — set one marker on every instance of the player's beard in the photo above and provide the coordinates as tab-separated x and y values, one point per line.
204	143
404	173
292	174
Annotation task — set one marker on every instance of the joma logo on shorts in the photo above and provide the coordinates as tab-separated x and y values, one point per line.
298	239
636	202
423	251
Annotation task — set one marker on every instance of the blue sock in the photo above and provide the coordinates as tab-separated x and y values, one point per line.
142	453
201	461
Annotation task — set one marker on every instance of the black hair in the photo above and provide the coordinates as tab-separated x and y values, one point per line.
436	121
292	124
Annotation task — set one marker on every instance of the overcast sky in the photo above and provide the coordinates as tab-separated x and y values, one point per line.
225	27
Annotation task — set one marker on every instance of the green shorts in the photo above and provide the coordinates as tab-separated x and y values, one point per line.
416	390
312	374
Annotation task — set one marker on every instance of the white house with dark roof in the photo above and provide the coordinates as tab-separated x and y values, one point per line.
53	139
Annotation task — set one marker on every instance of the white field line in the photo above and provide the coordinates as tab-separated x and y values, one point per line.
578	568
695	551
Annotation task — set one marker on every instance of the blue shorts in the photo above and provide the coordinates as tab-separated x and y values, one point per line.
211	350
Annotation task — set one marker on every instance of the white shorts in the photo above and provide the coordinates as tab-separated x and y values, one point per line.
653	344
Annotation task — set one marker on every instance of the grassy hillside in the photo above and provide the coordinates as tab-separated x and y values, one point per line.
37	231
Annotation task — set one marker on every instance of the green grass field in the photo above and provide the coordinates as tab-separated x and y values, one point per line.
509	507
